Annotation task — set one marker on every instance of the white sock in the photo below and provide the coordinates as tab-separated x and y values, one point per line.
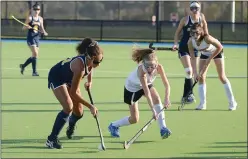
229	93
161	117
202	89
122	122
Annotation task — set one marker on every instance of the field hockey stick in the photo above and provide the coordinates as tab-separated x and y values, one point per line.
184	98
160	48
126	144
98	124
24	23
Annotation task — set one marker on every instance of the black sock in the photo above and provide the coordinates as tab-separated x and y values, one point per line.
187	86
34	61
59	123
73	119
28	61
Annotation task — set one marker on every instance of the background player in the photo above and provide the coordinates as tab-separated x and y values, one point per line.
64	79
35	23
139	83
210	48
184	25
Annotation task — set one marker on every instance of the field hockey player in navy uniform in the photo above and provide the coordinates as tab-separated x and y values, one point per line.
35	23
210	49
184	26
139	83
64	79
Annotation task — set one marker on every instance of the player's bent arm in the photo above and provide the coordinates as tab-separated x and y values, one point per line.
78	71
28	19
179	29
205	25
211	40
192	55
143	80
165	80
42	25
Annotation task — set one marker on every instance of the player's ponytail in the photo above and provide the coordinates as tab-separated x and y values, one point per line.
141	54
89	47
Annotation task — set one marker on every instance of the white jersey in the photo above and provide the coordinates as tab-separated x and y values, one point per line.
204	47
133	83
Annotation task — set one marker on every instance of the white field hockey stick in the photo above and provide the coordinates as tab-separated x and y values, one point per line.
126	144
98	124
24	23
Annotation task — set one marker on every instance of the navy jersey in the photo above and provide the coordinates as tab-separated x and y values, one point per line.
61	73
31	32
183	45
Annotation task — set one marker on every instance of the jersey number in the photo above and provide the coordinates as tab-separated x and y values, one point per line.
66	60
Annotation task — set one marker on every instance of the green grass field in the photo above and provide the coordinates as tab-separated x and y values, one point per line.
29	109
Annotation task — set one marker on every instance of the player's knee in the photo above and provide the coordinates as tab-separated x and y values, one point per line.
189	73
156	100
134	119
68	106
223	79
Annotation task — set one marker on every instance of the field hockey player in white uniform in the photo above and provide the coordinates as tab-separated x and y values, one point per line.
139	83
210	48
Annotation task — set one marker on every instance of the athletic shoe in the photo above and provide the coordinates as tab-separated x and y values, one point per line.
114	131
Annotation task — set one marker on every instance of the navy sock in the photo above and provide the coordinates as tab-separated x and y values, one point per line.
28	61
34	61
187	86
59	123
73	119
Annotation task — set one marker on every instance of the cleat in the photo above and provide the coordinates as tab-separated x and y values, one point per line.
35	74
114	131
201	107
22	68
53	144
190	99
233	106
165	133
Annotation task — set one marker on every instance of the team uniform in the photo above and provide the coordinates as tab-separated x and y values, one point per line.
33	35
183	45
133	90
206	51
61	72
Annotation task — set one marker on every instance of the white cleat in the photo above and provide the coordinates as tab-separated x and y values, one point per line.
233	106
201	107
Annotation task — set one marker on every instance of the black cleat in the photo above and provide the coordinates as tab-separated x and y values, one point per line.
35	74
53	144
70	131
22	68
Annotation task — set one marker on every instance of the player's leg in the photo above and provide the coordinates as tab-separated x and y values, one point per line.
164	131
77	114
130	98
188	83
62	95
30	43
35	51
220	67
202	89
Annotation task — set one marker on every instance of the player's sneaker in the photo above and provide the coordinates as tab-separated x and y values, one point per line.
201	107
70	131
165	133
35	74
114	131
233	106
53	143
190	99
22	68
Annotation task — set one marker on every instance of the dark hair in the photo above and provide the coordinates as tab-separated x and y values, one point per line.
89	47
196	26
36	6
143	54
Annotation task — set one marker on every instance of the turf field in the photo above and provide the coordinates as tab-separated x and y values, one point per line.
29	109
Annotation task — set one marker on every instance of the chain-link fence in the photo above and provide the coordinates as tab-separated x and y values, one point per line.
125	10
